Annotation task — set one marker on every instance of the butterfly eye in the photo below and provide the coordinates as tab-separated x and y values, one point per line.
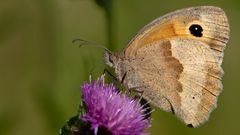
196	30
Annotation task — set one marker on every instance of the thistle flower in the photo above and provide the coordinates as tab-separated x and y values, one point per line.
108	108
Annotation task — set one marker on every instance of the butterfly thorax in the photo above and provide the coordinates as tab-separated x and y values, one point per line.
119	63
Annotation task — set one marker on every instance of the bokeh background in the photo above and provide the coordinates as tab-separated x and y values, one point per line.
41	70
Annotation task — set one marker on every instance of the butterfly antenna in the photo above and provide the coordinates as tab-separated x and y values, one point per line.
82	42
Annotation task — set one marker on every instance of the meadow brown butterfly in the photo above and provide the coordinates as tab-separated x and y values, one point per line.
175	61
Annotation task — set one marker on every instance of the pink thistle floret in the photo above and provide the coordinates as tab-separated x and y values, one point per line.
106	107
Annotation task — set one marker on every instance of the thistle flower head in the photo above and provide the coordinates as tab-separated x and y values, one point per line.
108	108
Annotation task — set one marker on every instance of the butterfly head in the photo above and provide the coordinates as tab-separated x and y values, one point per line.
111	59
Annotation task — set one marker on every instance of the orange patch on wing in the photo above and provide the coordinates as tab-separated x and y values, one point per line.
165	31
160	32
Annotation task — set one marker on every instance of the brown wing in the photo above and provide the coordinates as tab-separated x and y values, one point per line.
178	71
176	24
179	75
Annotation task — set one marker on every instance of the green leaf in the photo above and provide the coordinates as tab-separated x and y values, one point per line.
75	126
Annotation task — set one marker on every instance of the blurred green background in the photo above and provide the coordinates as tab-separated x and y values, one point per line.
41	70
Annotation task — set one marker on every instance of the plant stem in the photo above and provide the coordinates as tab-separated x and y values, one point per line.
109	24
107	6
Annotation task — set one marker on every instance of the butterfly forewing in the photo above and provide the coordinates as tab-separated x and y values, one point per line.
176	62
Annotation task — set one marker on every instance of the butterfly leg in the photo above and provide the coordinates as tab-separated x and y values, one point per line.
136	89
172	108
128	87
124	77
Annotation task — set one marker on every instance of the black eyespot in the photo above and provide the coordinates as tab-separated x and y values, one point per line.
196	30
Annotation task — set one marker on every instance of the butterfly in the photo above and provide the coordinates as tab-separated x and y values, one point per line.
175	62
